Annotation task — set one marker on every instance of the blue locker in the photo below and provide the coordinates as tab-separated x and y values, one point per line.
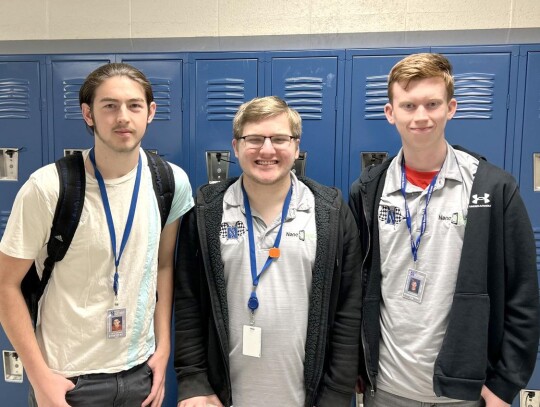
220	84
529	170
368	128
530	149
310	85
67	127
164	135
483	77
21	124
164	72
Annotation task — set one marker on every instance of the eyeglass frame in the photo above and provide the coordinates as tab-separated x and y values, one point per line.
291	138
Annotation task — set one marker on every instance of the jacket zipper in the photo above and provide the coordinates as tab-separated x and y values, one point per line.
318	369
373	388
220	333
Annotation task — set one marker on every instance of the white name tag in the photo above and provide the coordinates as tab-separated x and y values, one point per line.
252	341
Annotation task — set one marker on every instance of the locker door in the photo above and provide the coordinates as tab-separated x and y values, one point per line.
369	130
529	175
67	126
20	128
482	88
530	150
310	85
164	134
221	86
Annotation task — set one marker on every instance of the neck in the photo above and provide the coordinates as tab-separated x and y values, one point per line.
267	200
111	164
425	160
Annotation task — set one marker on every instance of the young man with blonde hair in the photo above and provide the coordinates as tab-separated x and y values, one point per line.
267	300
446	219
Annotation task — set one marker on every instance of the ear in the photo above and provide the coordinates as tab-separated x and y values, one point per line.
389	113
151	112
235	147
452	108
87	114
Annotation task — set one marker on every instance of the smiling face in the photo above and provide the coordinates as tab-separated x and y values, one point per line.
420	112
119	114
266	165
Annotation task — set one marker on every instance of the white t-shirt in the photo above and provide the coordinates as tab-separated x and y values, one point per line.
72	323
411	331
283	292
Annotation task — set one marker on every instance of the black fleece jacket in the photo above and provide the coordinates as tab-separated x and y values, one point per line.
492	334
201	312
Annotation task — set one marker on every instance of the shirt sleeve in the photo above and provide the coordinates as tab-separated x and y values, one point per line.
29	224
183	198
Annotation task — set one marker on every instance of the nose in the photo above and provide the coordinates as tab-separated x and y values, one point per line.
420	114
267	146
122	116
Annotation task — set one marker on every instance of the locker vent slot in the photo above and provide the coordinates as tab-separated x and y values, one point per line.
537	240
376	97
161	88
14	99
223	98
474	93
305	95
4	216
72	109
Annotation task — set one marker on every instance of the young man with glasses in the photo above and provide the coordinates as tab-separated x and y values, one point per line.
267	296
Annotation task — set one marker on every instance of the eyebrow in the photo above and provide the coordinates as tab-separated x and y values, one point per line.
273	135
107	99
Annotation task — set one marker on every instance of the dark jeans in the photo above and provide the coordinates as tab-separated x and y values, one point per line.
123	389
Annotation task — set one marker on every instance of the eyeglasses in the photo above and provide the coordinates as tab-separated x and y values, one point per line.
278	142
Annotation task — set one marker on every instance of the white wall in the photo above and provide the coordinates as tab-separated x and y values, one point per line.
106	19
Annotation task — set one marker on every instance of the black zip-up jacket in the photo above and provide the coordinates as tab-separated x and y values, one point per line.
492	334
201	312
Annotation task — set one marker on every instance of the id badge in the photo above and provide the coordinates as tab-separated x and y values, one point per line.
252	341
415	284
116	323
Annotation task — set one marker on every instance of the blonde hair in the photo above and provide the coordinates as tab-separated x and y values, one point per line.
422	66
263	108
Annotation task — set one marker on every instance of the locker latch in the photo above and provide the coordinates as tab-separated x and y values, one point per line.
9	164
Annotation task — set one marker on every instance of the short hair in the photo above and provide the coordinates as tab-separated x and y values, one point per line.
422	66
87	93
263	108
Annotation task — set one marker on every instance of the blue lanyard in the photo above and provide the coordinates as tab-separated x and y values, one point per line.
253	302
108	214
415	245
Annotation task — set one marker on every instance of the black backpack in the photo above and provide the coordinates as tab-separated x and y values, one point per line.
68	211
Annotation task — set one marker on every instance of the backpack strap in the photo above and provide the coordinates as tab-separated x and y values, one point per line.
163	182
72	178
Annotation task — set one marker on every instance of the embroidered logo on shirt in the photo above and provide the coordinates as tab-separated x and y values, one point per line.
480	201
234	231
455	218
390	215
301	234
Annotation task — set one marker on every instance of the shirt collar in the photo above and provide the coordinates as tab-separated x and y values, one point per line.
300	200
449	170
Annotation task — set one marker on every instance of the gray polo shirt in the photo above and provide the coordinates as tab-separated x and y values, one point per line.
277	377
414	314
